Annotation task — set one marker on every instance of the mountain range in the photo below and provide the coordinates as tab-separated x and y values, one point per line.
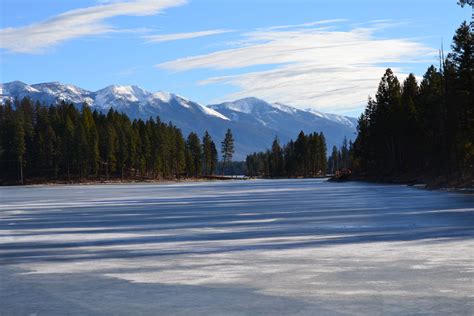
254	122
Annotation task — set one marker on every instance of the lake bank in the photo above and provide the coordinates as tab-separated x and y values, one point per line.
427	182
126	181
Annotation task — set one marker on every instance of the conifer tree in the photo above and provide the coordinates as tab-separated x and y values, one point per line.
194	147
207	153
179	155
214	158
305	157
19	148
276	159
227	149
92	152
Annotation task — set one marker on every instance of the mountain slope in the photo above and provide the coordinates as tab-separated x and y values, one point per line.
285	121
254	122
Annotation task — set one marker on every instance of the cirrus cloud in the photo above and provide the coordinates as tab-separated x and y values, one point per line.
317	67
182	36
77	23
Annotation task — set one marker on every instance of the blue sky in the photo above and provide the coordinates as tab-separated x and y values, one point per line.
327	55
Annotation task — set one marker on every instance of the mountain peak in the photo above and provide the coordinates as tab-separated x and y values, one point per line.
246	105
124	89
15	83
253	121
16	88
117	94
250	100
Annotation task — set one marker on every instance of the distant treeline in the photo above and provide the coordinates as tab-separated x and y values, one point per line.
425	128
305	157
62	142
340	158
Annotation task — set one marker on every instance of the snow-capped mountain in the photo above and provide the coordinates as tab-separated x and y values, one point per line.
286	121
254	122
48	93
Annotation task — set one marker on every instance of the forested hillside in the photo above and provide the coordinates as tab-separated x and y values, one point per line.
426	128
410	131
40	143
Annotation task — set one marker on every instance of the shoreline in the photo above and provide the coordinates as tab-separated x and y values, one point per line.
440	183
125	181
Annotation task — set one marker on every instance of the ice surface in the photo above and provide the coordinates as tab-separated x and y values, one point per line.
295	247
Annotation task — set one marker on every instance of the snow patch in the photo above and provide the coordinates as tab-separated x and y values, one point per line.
285	108
211	112
334	117
162	96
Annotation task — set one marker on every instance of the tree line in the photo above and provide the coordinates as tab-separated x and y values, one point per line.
422	128
304	157
341	158
62	142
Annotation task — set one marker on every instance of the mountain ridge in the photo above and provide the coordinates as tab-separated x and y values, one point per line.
254	122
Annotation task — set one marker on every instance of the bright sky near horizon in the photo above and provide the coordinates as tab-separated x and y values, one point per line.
325	54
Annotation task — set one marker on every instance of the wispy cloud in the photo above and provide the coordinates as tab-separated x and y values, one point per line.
309	67
308	24
77	23
182	36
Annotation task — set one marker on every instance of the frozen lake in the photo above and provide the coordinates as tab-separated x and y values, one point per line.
293	247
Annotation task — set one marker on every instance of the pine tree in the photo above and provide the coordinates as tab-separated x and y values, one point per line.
110	150
301	157
433	115
410	135
92	156
214	158
276	163
179	155
193	145
207	153
333	160
462	61
28	112
345	154
307	156
322	149
227	149
19	147
81	149
68	145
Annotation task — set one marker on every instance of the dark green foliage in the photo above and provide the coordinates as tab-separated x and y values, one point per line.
19	145
60	142
276	160
227	148
209	155
341	158
305	157
194	155
426	129
214	158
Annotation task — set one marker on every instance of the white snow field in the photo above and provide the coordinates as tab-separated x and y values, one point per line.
259	247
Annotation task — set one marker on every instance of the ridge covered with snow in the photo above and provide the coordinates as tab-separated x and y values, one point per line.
254	122
118	97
